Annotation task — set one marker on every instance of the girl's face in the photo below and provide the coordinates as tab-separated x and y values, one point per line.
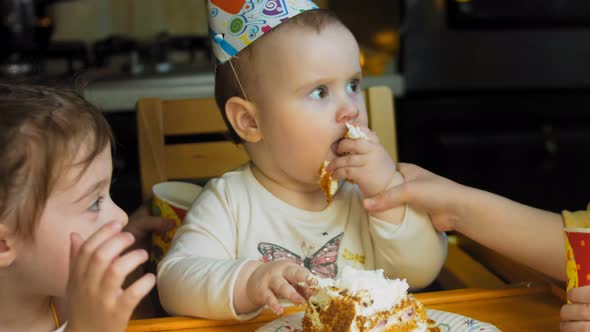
79	203
309	87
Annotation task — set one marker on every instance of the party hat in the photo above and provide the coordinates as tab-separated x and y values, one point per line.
234	24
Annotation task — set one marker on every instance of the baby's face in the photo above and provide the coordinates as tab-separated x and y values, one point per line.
309	87
77	204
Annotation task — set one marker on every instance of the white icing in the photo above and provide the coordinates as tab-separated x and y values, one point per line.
386	293
355	132
367	285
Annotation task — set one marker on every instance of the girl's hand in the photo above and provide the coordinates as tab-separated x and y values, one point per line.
576	316
366	162
97	271
276	280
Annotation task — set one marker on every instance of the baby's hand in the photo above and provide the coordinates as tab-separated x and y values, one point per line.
576	316
276	280
97	271
366	162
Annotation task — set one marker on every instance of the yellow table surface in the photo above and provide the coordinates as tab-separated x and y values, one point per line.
510	309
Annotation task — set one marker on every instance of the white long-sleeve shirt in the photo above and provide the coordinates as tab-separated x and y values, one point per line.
235	219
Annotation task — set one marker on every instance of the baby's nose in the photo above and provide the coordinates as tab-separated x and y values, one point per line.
347	112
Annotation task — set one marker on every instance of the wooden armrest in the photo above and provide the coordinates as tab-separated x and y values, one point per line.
463	271
507	269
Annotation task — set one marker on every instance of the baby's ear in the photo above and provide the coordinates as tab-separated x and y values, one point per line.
7	246
242	116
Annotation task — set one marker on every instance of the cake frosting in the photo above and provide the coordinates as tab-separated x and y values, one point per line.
360	300
355	132
328	184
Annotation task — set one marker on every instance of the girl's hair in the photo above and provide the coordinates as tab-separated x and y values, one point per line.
42	130
226	84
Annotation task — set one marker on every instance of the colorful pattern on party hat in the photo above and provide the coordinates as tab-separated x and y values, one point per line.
234	24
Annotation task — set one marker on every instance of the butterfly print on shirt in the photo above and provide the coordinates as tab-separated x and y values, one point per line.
322	262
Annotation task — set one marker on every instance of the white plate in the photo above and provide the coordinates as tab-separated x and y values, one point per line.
447	321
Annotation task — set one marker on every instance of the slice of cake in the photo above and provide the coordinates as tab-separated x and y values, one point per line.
326	182
365	301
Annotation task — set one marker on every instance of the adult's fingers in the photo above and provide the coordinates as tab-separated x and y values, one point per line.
579	294
411	172
393	197
579	326
575	312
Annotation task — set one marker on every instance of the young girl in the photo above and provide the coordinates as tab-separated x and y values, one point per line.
288	83
60	232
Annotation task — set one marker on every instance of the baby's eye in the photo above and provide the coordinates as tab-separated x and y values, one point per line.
352	86
95	207
319	93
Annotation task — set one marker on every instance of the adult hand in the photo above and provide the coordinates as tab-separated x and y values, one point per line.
575	317
441	198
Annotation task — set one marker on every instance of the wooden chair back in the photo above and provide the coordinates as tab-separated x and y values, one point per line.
204	150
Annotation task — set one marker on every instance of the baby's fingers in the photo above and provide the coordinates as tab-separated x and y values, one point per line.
285	290
349	160
119	269
134	293
297	274
272	302
355	146
350	173
371	135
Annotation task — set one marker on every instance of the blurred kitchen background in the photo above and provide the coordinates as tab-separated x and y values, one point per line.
491	93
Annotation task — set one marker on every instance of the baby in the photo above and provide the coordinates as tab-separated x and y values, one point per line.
287	82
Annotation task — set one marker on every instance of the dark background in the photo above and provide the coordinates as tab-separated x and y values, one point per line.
497	97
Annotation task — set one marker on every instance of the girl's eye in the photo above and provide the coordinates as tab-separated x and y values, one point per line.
95	207
319	93
352	86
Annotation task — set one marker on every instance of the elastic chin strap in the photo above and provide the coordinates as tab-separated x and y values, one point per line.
219	37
